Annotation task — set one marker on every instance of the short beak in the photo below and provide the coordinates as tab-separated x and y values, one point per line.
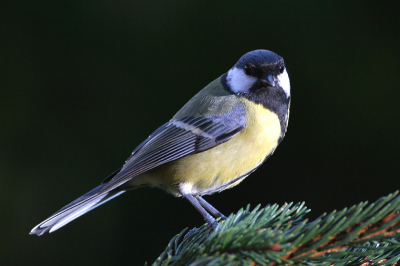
270	81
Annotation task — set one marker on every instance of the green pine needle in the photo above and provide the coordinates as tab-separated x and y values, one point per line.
364	234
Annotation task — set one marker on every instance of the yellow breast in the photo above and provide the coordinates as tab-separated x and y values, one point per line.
208	170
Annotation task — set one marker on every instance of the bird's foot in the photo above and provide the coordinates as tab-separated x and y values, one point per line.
191	232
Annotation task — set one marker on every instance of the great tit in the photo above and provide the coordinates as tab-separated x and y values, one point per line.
222	135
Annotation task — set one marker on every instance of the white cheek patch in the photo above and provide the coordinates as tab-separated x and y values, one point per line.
238	81
284	82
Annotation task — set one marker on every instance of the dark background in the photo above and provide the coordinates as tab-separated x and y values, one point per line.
83	83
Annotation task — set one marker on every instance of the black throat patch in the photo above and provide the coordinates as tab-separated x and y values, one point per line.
272	98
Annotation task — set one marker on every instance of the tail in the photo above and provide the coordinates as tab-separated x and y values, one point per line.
78	207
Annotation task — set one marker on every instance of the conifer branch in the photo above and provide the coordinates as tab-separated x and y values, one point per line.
364	234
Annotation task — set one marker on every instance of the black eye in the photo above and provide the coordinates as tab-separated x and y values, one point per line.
248	70
281	69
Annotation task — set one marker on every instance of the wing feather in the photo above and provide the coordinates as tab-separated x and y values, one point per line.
179	138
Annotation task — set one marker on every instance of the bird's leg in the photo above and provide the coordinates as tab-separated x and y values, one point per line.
210	208
209	219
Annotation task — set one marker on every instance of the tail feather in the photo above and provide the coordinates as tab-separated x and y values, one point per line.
78	207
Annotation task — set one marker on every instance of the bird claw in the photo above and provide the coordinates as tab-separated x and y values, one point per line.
191	232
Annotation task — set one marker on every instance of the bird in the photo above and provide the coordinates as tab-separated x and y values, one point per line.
217	139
